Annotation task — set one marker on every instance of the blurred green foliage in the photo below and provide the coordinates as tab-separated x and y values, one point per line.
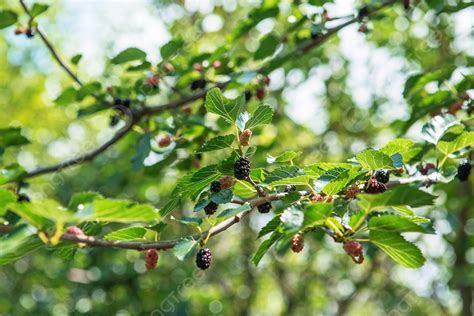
321	280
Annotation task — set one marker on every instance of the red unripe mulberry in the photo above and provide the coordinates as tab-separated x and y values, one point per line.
153	81
198	67
164	141
297	243
151	259
260	93
355	250
74	230
168	68
226	182
217	64
245	137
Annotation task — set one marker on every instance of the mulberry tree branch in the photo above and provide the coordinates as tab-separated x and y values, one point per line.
168	244
221	227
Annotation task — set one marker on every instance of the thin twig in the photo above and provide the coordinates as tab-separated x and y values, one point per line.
50	47
90	155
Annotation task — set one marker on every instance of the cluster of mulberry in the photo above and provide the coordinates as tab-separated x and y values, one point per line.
245	137
74	230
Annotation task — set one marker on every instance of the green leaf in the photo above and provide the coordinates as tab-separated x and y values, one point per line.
218	104
292	218
43	213
171	48
222	197
130	233
405	210
146	65
415	84
334	224
67	96
336	175
262	115
202	202
287	156
230	212
271	226
89	89
374	160
394	223
264	246
216	143
397	248
91	109
320	168
12	137
18	246
298	180
122	211
65	252
10	173
80	199
282	173
190	185
316	213
7	18
449	144
91	228
405	147
184	247
169	206
38	9
267	47
244	189
403	195
193	221
129	54
143	150
6	197
251	151
434	130
76	59
159	228
356	218
193	183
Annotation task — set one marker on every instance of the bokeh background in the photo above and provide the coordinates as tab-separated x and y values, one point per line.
331	104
